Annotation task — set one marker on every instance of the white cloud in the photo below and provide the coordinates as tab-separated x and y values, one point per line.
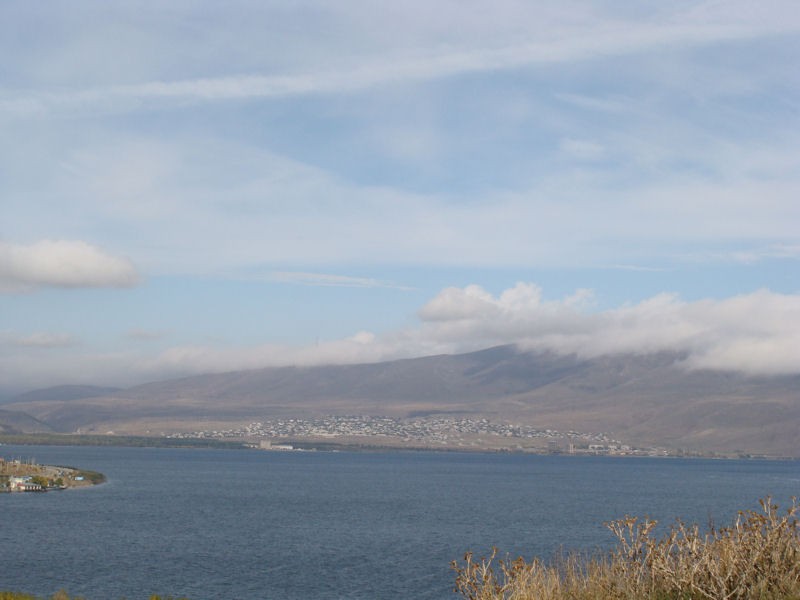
61	263
455	303
36	340
754	333
363	337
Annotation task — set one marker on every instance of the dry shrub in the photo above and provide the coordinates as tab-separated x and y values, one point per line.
496	579
756	557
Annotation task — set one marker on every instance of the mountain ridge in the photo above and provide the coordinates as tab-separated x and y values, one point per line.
646	399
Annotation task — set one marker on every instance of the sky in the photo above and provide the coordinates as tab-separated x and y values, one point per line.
189	187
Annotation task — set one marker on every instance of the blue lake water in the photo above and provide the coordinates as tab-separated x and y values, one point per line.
213	524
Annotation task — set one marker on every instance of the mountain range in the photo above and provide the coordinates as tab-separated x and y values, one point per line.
639	399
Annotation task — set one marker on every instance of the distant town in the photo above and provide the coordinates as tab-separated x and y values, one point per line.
428	432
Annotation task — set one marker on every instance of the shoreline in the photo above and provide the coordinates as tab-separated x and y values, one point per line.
350	444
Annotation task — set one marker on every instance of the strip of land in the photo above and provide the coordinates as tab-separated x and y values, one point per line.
17	475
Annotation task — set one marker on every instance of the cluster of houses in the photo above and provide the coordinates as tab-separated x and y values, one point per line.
27	476
24	484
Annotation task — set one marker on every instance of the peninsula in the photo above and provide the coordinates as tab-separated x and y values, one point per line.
28	476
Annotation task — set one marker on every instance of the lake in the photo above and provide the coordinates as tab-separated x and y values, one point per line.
247	525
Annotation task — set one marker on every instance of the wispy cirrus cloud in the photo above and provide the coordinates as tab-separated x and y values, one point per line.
752	256
330	280
586	38
637	268
144	335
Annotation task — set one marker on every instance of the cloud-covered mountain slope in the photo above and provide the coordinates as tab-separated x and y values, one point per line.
644	399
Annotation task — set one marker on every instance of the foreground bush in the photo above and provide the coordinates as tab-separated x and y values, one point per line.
757	557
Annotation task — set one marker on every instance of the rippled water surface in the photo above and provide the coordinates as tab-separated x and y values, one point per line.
250	525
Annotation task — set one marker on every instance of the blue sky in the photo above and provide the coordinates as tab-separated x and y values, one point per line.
190	186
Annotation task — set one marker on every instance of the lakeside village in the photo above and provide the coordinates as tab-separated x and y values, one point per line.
17	475
429	432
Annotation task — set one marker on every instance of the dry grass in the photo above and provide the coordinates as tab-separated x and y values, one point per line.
756	557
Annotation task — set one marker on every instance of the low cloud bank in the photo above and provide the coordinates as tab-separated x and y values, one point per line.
61	263
756	333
